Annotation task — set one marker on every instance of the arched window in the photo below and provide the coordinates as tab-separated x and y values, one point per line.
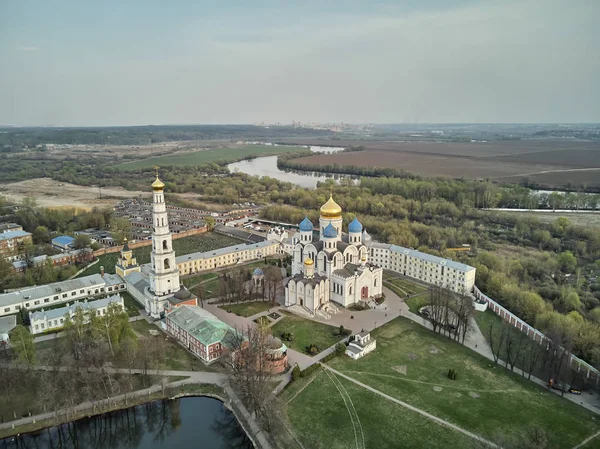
350	290
165	244
375	283
167	265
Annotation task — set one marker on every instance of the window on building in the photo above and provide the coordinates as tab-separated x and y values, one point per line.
35	303
56	297
6	309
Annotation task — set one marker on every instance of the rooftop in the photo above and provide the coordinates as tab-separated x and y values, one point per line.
202	325
63	240
49	290
13	234
71	308
224	251
424	256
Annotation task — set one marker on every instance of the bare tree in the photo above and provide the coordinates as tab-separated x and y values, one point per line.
533	352
496	344
249	373
464	313
513	348
272	283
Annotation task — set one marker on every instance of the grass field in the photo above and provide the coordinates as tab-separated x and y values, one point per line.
219	155
201	242
249	308
384	424
410	361
306	332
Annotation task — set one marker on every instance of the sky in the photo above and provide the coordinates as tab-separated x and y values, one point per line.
120	62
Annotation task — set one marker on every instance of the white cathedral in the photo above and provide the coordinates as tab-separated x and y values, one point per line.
334	268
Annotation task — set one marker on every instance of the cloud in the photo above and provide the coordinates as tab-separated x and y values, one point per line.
28	48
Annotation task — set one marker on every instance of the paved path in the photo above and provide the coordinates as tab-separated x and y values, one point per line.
587	440
412	408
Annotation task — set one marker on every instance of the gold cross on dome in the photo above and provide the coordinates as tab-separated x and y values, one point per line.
156	167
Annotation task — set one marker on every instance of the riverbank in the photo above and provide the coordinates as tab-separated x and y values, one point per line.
86	410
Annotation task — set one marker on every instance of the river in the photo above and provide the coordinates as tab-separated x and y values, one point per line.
192	422
267	166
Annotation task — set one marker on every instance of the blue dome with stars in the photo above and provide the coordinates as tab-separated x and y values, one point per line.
306	225
355	226
330	231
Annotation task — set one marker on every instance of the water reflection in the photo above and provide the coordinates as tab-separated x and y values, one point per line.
267	166
201	423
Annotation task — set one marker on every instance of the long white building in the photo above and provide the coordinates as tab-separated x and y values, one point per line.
222	257
32	298
435	270
52	319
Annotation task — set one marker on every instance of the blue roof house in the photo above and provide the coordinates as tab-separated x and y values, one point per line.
63	242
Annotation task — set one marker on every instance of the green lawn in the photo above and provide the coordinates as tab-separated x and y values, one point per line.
384	424
414	303
249	308
132	306
194	279
411	360
407	287
218	155
306	332
210	289
202	242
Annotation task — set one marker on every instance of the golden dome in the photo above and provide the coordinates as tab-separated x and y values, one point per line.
331	209
308	261
158	184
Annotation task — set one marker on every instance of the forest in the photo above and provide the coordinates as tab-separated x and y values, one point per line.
15	138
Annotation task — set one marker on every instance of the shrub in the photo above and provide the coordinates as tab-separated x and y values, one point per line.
340	349
296	373
313	349
287	336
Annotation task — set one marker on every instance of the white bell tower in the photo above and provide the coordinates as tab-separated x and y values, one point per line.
164	275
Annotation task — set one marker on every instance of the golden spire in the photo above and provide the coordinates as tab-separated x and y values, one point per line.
157	185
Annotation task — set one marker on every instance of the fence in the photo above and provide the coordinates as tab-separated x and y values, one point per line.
532	332
133	245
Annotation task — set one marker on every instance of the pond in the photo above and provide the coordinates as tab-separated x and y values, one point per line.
267	166
192	422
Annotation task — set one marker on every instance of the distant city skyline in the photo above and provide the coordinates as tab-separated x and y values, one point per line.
193	62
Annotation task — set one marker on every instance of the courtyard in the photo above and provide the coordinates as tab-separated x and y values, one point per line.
306	332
